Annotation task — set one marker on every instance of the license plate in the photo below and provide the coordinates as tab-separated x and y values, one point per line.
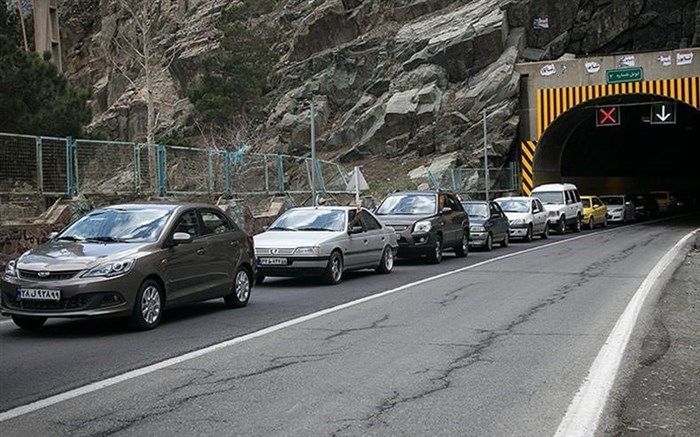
38	294
273	261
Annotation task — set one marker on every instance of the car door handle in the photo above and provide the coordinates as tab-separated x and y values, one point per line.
365	241
201	251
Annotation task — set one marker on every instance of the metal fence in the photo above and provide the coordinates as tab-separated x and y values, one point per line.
67	166
472	181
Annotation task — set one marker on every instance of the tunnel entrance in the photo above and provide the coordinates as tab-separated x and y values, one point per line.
633	156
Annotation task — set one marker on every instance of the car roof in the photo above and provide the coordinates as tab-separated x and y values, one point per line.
514	198
555	187
420	192
328	208
474	201
170	206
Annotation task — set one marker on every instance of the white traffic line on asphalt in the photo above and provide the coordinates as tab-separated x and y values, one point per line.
584	413
98	385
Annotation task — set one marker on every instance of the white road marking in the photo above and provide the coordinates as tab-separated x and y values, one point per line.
584	412
98	385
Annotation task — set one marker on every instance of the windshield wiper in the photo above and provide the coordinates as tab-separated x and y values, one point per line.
69	238
106	239
311	228
280	228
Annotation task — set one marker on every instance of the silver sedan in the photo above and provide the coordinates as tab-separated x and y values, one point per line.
326	242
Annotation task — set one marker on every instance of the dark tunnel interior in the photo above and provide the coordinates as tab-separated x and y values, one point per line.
634	156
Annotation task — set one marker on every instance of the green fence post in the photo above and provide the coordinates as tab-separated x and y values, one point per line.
162	174
454	182
280	174
70	176
229	185
319	177
39	166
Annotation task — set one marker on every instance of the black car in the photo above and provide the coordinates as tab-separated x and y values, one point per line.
426	223
489	224
645	206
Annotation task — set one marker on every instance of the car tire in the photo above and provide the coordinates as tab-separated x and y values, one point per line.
29	323
148	309
240	294
259	279
605	222
333	274
386	264
435	256
545	234
528	235
561	226
461	250
577	224
591	223
506	241
488	245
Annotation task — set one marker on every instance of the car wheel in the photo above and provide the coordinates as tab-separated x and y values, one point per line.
561	226
241	289
577	224
386	264
506	241
605	222
334	270
528	235
148	309
545	234
259	279
591	223
29	323
462	249
435	256
488	245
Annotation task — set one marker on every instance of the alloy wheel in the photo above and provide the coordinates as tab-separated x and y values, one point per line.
150	305
389	259
242	285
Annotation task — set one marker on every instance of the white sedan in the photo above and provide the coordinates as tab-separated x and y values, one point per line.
325	242
526	215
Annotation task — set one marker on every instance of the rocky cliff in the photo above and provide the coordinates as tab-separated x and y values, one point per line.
389	77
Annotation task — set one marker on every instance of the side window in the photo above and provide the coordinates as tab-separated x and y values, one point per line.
442	202
535	208
596	202
214	223
369	222
188	224
569	197
495	210
577	196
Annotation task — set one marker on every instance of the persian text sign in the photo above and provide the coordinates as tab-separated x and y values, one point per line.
622	75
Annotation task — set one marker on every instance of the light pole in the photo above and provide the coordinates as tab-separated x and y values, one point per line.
313	153
486	160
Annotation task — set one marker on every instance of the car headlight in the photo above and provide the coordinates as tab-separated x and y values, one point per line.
477	228
114	268
423	226
315	250
11	269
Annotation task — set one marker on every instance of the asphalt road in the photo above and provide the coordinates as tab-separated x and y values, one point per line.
498	349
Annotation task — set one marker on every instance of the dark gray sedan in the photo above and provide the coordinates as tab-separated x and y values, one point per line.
131	261
488	224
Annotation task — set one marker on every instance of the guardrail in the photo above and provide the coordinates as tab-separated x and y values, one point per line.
67	166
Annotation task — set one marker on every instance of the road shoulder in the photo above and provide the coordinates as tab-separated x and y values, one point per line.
662	394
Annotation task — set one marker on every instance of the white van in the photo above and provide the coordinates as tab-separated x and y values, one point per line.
563	205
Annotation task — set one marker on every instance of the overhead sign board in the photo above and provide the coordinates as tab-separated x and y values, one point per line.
663	113
623	75
607	116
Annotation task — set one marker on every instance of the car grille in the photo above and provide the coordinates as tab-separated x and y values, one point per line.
273	251
78	302
52	276
399	227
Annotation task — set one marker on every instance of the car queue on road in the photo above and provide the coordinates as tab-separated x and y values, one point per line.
134	261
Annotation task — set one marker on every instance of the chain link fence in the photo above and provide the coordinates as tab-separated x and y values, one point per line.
67	166
472	181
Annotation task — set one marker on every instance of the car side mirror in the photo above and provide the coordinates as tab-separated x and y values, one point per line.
181	238
355	230
446	210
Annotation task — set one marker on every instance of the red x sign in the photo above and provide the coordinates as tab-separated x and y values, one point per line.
608	116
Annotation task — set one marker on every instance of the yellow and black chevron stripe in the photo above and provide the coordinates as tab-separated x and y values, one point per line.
552	102
527	161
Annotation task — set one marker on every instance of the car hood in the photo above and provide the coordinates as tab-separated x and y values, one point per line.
553	207
293	239
74	255
406	220
518	215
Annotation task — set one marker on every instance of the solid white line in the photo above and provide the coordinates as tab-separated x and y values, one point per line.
584	412
98	385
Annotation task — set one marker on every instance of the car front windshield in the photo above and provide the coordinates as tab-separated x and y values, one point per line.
331	220
586	203
408	204
119	225
612	200
512	205
476	209
550	197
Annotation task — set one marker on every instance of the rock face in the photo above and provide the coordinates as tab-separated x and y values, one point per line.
388	77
